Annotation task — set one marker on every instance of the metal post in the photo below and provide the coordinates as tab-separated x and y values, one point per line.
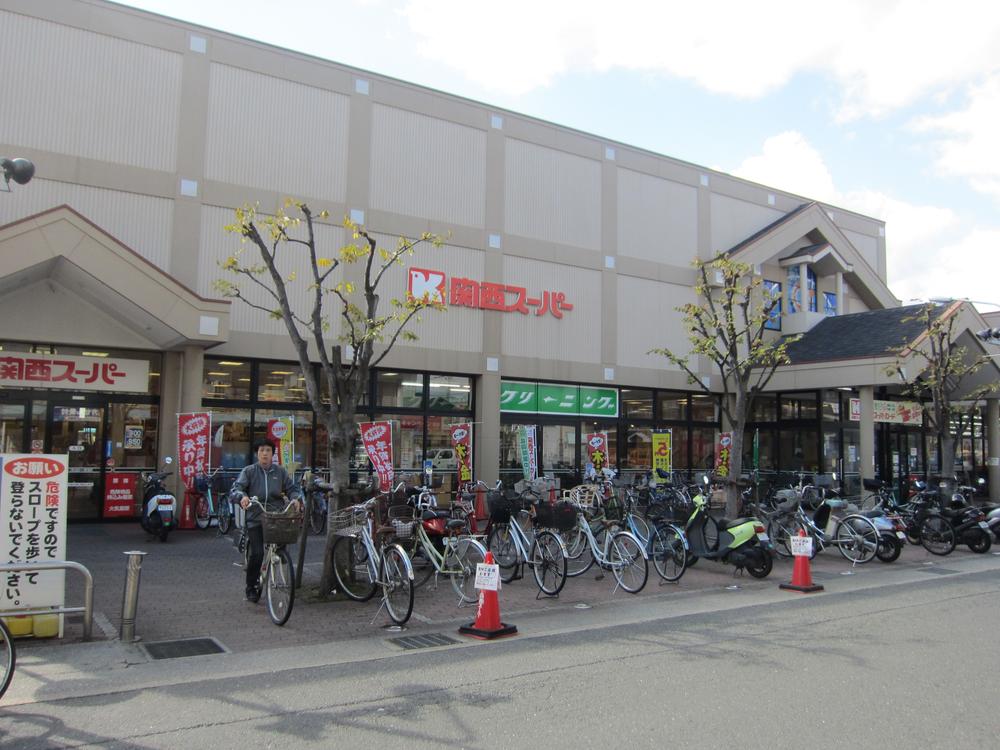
130	597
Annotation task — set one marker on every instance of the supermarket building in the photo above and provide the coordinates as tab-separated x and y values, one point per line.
565	260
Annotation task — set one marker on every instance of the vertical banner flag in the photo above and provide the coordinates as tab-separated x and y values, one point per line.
663	454
33	517
529	452
597	450
194	432
756	451
281	432
461	442
722	454
377	439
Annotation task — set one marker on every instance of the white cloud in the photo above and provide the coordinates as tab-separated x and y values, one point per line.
968	268
970	147
916	264
884	55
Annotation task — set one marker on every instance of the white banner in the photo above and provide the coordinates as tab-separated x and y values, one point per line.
33	517
74	373
487	577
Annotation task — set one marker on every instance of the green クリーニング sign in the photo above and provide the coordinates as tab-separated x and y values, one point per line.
568	400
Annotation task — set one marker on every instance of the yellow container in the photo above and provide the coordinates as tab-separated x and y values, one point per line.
45	626
19	625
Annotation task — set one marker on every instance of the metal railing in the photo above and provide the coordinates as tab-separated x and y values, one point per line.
88	592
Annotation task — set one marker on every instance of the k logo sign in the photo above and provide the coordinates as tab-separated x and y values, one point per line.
422	282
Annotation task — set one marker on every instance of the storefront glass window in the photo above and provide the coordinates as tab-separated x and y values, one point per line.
765	452
444	463
637	404
831	451
765	408
133	435
230	437
449	393
704	408
407	442
679	443
325	390
673	405
226	378
591	429
401	389
831	406
703	449
12	428
280	382
638	449
510	455
558	456
798	450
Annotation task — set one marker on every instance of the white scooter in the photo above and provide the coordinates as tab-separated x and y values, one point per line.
159	507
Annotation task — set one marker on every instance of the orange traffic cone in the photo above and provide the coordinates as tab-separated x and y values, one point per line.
487	625
802	574
186	521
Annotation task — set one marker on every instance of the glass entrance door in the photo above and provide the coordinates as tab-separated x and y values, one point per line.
13	418
559	453
79	432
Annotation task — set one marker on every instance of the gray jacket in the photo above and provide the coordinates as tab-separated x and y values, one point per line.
270	487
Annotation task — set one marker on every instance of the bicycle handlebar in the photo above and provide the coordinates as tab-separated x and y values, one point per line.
255	501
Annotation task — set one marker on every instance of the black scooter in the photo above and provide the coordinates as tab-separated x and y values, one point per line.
158	512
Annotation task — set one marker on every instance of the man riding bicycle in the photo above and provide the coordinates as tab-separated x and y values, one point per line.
270	484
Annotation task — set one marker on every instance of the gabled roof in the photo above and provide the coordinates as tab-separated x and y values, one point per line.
811	222
878	333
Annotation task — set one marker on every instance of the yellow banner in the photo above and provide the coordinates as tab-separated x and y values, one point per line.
663	454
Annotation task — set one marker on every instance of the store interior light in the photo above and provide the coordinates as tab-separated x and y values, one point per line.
244	380
228	363
154	374
223	374
94	354
281	372
415	385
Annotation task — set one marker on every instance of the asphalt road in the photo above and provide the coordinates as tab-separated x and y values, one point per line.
908	661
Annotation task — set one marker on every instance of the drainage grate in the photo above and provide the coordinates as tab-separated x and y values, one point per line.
184	647
427	640
939	571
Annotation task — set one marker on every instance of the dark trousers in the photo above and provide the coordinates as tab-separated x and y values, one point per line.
255	538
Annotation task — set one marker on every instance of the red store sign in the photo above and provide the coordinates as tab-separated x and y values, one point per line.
483	295
119	494
76	373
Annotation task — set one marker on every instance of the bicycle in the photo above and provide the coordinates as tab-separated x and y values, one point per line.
8	657
620	552
540	549
360	565
853	534
277	573
318	506
665	542
456	554
204	506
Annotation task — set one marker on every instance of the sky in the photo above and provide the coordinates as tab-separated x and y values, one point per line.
888	108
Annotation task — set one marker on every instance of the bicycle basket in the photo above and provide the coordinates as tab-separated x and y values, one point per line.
401	519
281	528
560	516
201	483
348	522
501	507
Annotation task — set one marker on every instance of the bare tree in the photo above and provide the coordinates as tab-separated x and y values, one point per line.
727	326
942	372
349	326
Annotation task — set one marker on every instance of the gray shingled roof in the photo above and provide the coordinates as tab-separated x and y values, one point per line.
868	334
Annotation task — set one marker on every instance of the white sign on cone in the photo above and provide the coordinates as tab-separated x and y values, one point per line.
802	546
487	577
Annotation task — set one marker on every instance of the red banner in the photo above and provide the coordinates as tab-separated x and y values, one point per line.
194	433
597	450
119	494
722	452
461	441
377	439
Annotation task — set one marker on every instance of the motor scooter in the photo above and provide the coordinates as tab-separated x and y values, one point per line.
159	507
742	542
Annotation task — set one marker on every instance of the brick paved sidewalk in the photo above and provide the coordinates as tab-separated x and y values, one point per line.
192	586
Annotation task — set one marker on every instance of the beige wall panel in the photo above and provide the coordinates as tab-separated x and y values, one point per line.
86	94
551	195
647	319
657	218
141	222
427	167
217	245
575	338
867	246
455	329
274	134
735	220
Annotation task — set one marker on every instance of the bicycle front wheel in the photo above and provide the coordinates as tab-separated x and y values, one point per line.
579	557
202	512
317	520
858	539
461	560
280	586
667	550
225	518
938	536
397	586
548	563
8	657
501	543
781	532
352	570
627	562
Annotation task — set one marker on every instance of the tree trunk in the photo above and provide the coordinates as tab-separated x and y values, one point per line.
304	532
340	442
735	470
947	468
